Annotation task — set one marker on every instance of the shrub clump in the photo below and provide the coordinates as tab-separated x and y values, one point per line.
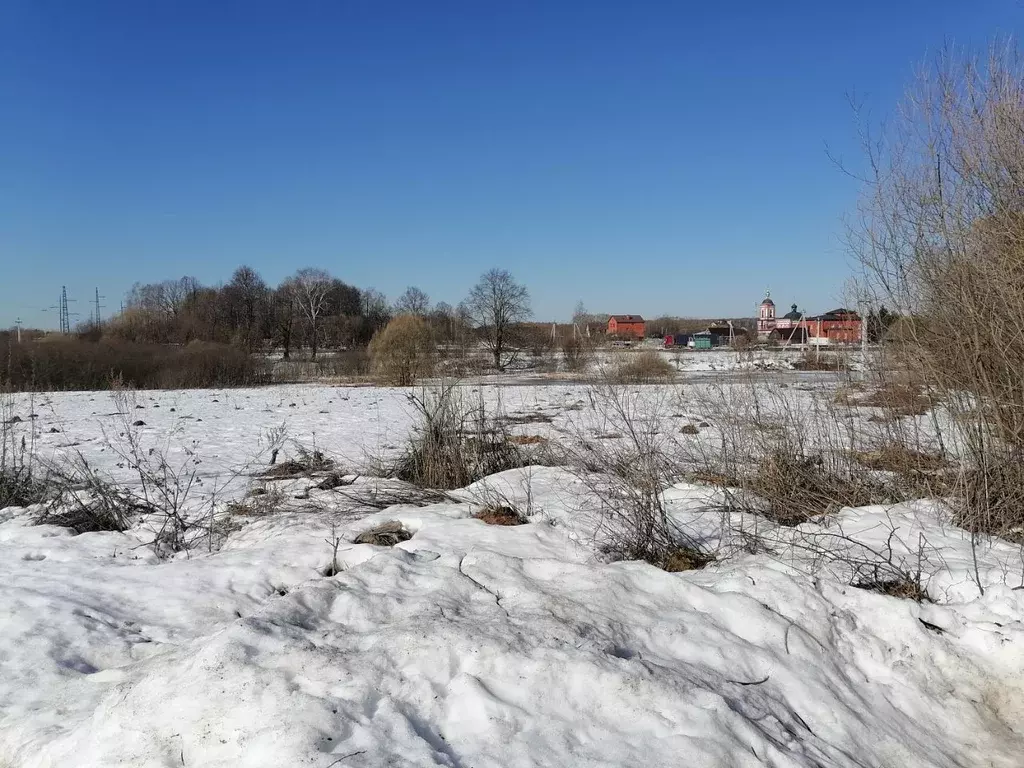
65	363
454	444
403	351
798	488
18	488
646	367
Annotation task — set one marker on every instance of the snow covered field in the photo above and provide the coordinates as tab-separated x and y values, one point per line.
469	644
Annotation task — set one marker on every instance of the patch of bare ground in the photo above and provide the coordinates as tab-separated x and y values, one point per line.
500	515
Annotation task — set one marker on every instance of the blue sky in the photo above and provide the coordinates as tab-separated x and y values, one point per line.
652	157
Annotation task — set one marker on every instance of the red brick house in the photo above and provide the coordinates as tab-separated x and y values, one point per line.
840	326
632	326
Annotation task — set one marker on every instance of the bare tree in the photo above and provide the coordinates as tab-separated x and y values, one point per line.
413	302
285	311
496	304
312	288
245	297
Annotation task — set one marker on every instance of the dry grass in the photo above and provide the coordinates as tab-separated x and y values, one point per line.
685	559
797	488
306	464
500	515
821	361
903	588
528	439
384	535
259	503
900	459
455	443
527	418
714	478
898	400
991	498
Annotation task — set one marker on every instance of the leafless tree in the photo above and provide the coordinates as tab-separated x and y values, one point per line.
413	302
285	311
496	304
311	288
246	297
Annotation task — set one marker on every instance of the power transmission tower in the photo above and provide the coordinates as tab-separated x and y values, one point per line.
65	321
65	315
99	318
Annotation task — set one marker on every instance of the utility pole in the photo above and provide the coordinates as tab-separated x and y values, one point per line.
17	324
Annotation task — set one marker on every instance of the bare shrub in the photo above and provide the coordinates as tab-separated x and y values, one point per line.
647	367
791	456
577	353
73	364
20	482
87	501
629	474
800	486
940	237
455	443
990	497
166	495
403	352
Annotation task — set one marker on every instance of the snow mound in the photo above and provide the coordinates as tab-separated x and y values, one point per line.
415	658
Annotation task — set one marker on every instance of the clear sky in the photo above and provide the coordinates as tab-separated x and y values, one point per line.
651	157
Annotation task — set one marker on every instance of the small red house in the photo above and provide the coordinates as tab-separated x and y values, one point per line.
632	326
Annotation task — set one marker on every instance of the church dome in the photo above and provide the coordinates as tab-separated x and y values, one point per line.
793	314
767	300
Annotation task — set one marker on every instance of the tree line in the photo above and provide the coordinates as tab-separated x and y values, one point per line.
311	310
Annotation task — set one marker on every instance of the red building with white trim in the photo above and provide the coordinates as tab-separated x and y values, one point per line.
623	326
838	326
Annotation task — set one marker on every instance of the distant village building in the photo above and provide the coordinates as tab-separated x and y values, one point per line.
839	326
627	326
766	317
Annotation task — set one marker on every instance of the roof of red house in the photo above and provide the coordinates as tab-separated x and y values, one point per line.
841	314
626	318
